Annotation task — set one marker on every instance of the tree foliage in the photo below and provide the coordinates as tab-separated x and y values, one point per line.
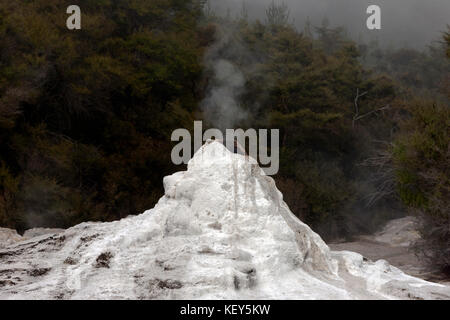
421	157
86	116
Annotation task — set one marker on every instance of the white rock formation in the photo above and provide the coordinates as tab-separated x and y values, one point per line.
221	231
400	232
9	237
37	232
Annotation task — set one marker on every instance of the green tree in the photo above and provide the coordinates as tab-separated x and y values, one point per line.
86	116
421	156
277	15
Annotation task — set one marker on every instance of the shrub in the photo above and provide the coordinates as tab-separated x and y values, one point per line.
422	161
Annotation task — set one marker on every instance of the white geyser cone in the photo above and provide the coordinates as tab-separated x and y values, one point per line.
222	231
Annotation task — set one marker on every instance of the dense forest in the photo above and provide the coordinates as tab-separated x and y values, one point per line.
86	116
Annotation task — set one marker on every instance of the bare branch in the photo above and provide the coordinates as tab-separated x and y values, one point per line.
357	116
386	107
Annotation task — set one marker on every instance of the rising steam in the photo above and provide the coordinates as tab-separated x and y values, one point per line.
222	106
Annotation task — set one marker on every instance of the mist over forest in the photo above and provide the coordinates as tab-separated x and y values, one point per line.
405	23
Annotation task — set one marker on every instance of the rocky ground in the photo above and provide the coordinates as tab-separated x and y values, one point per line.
393	244
10	237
